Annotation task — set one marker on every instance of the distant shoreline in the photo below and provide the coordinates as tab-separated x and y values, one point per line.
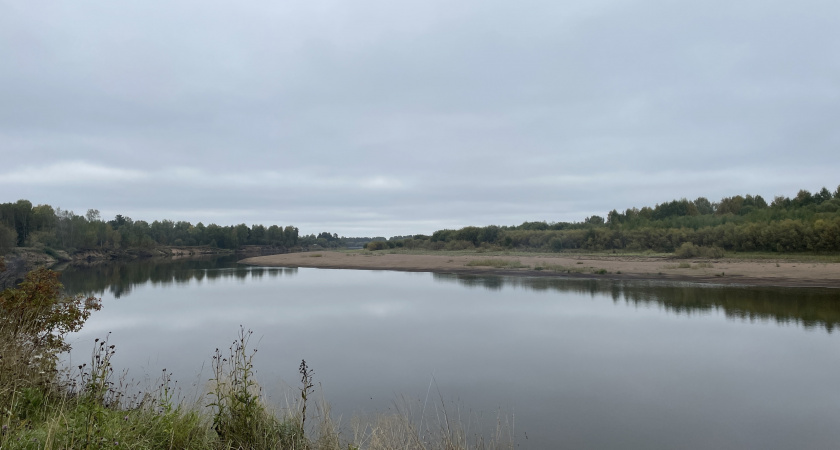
717	271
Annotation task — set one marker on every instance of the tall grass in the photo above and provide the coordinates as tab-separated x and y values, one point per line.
90	407
93	410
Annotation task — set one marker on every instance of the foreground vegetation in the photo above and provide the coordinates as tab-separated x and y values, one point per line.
88	407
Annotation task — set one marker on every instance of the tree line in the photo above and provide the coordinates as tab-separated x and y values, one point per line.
24	225
808	222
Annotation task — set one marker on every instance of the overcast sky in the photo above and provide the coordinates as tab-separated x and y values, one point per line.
400	117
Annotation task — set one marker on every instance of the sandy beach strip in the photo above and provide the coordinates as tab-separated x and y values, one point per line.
718	271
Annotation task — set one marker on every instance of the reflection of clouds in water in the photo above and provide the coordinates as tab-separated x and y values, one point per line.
563	351
384	309
813	307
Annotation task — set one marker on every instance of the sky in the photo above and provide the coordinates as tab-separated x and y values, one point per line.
383	118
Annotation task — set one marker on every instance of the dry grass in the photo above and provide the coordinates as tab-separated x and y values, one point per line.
439	427
498	263
561	268
686	265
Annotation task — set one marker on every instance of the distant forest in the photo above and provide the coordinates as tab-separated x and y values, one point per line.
42	226
806	223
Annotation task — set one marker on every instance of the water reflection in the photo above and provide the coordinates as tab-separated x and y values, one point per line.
581	363
809	308
119	278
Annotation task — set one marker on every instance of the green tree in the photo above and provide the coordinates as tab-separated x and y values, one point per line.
120	221
240	235
23	220
92	215
8	239
730	205
704	206
489	234
257	236
823	195
43	218
594	220
290	236
198	233
216	236
803	198
274	235
614	218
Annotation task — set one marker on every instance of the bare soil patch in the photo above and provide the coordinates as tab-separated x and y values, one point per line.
718	271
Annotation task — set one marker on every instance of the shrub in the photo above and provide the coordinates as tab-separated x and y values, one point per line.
34	319
8	239
376	245
459	245
689	250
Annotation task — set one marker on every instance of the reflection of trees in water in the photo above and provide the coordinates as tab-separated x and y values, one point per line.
808	307
120	278
473	281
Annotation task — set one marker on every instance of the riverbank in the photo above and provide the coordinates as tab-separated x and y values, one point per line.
758	272
22	260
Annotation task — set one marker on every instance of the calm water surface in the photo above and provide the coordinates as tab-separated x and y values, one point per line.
576	363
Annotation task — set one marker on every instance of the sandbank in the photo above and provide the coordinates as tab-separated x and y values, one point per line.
717	271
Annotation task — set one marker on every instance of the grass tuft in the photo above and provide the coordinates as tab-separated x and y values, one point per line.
42	407
498	263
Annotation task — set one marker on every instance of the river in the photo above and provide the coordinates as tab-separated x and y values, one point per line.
567	363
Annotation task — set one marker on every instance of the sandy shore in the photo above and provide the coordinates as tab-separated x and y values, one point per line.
721	271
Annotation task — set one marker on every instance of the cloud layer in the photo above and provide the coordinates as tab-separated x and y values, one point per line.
376	117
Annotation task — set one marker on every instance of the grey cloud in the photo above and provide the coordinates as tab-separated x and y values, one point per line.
379	115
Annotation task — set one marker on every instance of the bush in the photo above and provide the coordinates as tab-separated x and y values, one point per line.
459	245
8	239
34	319
689	250
376	245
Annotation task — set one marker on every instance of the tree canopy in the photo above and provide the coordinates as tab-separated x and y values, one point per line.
22	224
